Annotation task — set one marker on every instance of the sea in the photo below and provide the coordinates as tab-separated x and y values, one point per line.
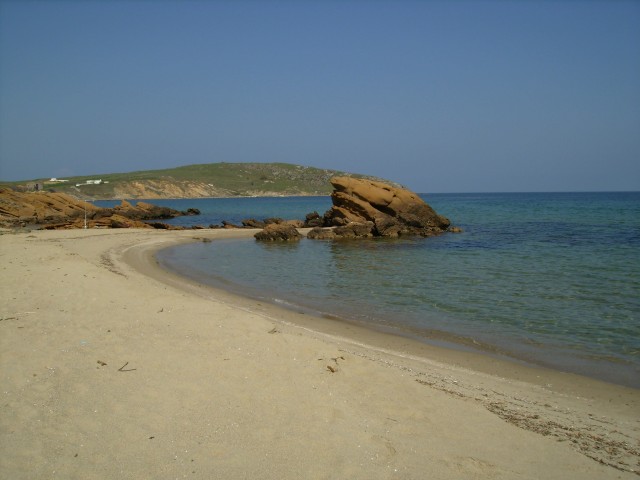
549	279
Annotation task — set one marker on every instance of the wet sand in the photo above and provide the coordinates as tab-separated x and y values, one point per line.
114	368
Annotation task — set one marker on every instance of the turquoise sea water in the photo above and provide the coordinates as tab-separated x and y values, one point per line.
549	278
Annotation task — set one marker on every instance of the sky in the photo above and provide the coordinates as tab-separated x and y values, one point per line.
440	96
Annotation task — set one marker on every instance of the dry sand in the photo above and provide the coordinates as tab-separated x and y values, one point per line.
113	369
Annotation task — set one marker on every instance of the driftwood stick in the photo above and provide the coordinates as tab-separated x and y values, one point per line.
121	369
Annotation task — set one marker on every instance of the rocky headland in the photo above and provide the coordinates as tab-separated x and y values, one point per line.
361	208
367	208
60	211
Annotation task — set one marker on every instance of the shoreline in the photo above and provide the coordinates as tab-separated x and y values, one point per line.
238	383
387	340
499	353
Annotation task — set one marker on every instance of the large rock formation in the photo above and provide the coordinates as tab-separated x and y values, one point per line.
59	210
388	211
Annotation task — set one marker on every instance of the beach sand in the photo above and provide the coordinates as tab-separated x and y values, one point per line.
114	369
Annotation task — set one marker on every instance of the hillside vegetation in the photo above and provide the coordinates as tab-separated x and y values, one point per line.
193	181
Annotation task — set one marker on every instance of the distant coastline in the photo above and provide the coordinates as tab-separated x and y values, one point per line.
212	180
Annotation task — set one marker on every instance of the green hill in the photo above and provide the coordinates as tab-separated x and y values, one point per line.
193	181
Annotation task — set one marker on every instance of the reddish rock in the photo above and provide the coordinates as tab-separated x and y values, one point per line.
392	210
39	207
61	211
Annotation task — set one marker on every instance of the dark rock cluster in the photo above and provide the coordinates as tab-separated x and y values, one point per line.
366	208
279	232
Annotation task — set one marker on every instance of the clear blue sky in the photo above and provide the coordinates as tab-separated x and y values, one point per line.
448	96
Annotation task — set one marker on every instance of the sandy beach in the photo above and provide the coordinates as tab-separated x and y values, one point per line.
112	368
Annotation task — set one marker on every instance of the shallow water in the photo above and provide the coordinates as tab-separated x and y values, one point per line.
553	279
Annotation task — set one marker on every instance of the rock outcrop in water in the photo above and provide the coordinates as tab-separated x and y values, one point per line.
363	208
278	232
319	233
59	210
